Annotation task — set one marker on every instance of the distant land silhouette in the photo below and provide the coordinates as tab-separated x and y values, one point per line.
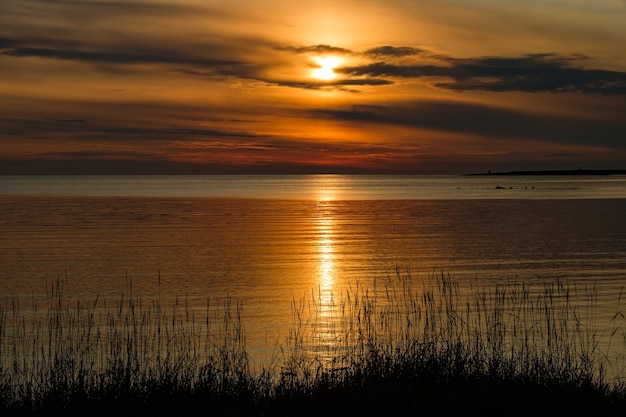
560	172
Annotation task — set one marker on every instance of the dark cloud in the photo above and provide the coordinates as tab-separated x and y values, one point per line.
382	69
534	73
105	154
563	155
115	57
99	10
392	51
487	122
84	130
363	81
125	8
320	85
70	120
6	43
113	34
314	49
528	73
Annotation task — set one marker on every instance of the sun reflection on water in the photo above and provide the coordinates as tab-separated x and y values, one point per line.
327	256
324	332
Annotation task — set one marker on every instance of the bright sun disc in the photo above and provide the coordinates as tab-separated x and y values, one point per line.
326	69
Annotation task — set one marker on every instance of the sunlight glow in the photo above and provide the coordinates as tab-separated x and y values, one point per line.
326	195
326	67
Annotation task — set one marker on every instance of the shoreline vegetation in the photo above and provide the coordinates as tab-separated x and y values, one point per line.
429	347
557	172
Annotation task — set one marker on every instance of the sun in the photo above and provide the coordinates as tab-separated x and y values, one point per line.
325	69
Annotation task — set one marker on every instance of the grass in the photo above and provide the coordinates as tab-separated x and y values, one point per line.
400	347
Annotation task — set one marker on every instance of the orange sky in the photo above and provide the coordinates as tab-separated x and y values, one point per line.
379	86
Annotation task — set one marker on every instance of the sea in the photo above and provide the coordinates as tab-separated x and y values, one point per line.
269	241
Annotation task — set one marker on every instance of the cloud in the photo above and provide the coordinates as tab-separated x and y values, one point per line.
321	85
314	49
121	35
126	34
562	155
70	120
104	154
392	51
484	121
6	43
115	57
85	130
209	39
133	8
531	73
254	58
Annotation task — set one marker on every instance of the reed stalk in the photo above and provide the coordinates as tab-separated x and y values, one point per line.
424	336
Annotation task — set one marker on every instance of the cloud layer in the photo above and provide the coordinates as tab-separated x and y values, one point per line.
533	73
230	86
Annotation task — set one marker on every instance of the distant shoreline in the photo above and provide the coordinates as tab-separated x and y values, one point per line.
558	172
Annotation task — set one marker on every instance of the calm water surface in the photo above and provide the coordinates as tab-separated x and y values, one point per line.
268	241
320	187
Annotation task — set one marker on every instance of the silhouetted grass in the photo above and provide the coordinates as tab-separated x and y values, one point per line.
431	347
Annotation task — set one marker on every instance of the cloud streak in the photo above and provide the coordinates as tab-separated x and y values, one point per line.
83	129
484	121
533	73
392	51
116	57
315	49
122	35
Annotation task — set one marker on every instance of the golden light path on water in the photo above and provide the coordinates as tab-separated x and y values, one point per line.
324	336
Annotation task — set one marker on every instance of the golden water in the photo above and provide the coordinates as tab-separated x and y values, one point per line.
271	252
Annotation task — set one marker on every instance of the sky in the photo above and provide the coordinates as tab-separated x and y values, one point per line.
278	87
